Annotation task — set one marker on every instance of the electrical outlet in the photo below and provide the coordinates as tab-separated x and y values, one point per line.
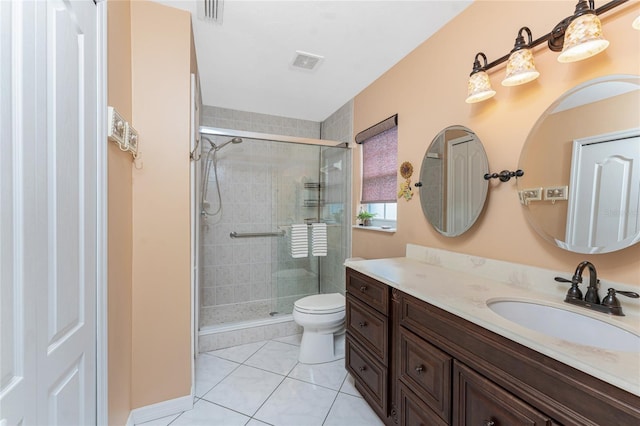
530	194
554	193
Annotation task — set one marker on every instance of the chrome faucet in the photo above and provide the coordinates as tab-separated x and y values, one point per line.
591	299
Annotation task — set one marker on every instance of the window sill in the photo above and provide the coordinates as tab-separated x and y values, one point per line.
374	228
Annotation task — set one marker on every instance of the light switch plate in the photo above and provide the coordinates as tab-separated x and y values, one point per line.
554	193
132	139
116	130
530	194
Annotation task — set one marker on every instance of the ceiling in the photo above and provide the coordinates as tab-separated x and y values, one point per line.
245	61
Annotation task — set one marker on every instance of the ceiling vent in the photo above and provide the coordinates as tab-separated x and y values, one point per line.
306	61
211	10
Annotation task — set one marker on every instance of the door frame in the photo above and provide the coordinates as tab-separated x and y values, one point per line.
102	335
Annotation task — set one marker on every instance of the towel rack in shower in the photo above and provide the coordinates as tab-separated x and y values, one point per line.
256	234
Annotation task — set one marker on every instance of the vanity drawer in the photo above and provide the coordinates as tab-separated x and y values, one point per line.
426	370
370	376
373	293
414	412
477	401
369	327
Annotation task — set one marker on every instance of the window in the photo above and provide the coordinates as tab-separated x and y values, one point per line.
379	171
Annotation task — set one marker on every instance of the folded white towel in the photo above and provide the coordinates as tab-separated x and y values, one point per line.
319	239
299	241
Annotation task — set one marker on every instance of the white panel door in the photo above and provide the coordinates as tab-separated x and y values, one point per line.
605	192
49	223
17	315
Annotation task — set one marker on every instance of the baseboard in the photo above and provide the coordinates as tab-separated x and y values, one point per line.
160	409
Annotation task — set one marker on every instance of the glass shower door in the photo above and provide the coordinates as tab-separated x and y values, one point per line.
295	177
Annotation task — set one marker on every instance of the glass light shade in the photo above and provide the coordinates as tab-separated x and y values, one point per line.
479	88
583	39
520	68
636	23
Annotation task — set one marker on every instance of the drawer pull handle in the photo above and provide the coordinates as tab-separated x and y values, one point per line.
363	368
362	324
419	369
489	423
363	288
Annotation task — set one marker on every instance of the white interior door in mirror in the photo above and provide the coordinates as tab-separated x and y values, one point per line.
465	166
604	198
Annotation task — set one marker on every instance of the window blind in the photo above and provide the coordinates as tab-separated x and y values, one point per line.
379	167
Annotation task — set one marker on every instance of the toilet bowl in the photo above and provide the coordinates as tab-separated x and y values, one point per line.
322	318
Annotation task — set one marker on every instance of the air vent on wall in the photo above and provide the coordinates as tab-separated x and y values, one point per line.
306	61
211	10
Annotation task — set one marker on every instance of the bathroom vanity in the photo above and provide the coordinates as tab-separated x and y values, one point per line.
424	348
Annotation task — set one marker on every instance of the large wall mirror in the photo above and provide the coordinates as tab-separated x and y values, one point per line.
581	187
453	188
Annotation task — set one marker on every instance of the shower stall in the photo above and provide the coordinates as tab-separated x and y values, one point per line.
252	188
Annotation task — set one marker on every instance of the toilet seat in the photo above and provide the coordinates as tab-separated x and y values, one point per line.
321	304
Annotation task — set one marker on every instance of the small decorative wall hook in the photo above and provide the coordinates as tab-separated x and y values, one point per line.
504	175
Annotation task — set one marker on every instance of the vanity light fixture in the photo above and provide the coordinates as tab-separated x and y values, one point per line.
578	36
583	37
479	86
520	67
636	23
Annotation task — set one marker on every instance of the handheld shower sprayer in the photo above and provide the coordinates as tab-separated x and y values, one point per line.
213	161
222	145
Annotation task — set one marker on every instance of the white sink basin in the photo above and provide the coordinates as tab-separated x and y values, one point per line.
566	325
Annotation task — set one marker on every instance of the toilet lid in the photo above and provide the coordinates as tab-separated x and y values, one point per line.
325	303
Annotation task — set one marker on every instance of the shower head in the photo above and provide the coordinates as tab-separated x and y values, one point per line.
222	145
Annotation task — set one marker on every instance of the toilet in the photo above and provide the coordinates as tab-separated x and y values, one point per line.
322	317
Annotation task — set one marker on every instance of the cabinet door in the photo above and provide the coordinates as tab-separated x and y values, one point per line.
427	372
414	412
477	401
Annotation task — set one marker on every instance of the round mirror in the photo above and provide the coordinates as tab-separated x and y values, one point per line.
581	187
453	188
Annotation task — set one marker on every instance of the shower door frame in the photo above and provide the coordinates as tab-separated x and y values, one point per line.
216	131
231	133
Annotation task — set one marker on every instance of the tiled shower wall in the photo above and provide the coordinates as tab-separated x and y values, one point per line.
262	123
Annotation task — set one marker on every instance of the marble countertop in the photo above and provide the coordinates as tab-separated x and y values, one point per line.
465	294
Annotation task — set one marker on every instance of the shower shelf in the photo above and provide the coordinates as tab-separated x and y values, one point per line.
313	203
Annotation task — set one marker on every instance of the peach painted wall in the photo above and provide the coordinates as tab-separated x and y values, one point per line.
427	89
161	357
119	217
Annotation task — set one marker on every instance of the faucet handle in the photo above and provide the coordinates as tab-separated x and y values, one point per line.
630	294
574	292
611	300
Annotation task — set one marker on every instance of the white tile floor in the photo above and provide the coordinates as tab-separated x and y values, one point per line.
264	384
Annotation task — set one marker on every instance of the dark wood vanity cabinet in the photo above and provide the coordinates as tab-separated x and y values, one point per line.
431	367
367	339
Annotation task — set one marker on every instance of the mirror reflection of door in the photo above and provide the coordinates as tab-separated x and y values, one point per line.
604	197
465	165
